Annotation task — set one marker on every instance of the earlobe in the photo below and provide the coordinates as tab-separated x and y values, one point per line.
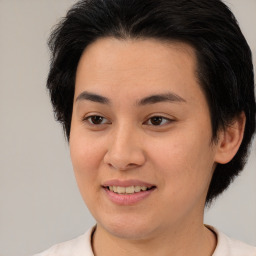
230	139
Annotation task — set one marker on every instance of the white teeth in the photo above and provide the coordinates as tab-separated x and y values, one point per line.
127	190
120	190
137	188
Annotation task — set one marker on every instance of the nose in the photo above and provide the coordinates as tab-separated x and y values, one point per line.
125	150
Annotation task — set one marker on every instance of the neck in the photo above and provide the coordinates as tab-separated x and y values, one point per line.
193	240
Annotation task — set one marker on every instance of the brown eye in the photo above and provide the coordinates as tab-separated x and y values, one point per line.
96	120
158	121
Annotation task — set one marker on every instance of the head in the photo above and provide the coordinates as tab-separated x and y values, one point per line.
223	63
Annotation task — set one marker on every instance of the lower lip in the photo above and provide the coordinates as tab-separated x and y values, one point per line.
128	199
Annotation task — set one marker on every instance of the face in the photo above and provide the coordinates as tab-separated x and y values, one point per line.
141	127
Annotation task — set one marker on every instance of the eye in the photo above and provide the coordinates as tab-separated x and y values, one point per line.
158	121
96	120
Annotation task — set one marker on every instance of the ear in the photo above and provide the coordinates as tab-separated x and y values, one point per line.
230	139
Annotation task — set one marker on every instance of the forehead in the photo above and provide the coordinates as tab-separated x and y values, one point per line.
109	53
137	66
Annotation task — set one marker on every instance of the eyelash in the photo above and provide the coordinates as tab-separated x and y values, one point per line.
161	118
156	117
87	119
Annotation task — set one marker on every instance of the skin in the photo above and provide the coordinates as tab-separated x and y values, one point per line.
175	154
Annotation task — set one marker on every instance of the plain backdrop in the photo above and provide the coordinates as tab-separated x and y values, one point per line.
40	204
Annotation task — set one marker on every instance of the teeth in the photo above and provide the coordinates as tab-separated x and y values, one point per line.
120	190
127	190
137	188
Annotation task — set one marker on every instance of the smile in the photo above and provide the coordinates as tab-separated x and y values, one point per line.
128	190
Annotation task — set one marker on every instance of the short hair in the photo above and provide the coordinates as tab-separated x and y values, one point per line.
224	61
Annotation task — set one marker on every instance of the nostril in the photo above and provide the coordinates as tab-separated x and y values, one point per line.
125	157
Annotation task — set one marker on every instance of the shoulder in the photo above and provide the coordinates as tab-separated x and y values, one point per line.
231	247
79	246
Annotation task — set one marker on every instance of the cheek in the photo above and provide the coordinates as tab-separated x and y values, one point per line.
86	155
186	164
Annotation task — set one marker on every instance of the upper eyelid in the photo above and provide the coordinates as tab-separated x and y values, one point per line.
163	117
171	118
90	116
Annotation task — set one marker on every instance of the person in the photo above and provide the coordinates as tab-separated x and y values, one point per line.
156	99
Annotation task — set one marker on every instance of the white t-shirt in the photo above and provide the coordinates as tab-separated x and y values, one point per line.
81	246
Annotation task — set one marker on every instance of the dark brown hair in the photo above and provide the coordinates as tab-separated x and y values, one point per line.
225	68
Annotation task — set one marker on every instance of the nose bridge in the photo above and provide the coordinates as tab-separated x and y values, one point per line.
125	150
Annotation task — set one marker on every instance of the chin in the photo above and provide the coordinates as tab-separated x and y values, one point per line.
129	228
130	233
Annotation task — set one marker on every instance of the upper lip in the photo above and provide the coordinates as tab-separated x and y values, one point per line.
127	183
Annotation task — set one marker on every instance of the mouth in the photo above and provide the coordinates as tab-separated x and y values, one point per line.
128	190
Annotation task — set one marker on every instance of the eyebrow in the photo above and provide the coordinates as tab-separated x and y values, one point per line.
92	97
152	99
165	97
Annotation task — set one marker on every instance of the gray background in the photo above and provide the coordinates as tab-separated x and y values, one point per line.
39	202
